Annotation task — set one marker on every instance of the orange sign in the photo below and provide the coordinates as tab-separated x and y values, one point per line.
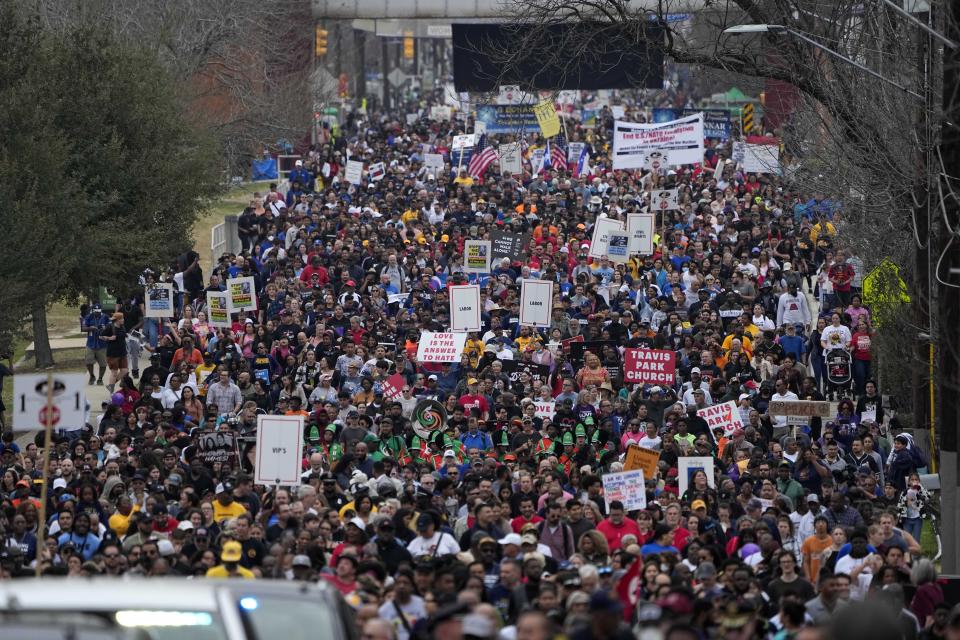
641	458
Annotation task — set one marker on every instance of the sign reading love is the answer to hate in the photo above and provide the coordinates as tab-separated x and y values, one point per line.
649	366
724	415
440	347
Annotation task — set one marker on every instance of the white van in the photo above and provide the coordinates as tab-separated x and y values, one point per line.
172	609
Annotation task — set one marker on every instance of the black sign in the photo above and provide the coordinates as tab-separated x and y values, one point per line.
596	347
507	245
513	369
216	446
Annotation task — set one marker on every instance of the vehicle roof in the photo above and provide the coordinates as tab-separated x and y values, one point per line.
110	594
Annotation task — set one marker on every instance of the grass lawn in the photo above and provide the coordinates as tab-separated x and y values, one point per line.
232	202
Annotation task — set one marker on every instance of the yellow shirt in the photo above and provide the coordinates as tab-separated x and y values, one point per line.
466	181
119	523
232	510
473	349
409	216
220	571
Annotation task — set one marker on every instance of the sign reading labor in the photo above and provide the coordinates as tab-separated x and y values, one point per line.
680	140
440	347
724	415
536	303
465	307
649	366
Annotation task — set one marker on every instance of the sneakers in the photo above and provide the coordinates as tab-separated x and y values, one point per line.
92	381
136	374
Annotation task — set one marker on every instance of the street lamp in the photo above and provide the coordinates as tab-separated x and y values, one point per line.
779	29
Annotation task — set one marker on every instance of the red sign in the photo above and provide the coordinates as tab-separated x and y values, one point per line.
54	416
565	344
649	366
393	387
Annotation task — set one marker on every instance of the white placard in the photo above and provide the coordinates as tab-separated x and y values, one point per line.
440	113
440	347
462	142
725	415
279	451
665	200
511	158
433	162
158	300
574	149
627	487
687	465
618	247
30	401
536	160
377	171
465	307
536	303
476	256
545	409
218	309
243	294
681	140
640	228
761	158
601	235
617	110
354	173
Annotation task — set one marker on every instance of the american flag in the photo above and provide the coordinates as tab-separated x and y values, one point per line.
558	154
483	157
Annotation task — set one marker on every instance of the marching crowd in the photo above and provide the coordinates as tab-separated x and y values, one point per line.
486	518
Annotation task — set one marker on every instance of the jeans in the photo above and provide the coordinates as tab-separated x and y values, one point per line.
151	329
913	526
861	373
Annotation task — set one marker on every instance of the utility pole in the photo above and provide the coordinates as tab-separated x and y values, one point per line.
384	70
360	42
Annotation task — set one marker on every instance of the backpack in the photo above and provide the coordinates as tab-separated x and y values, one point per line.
919	457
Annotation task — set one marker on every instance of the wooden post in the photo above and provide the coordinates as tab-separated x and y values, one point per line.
44	491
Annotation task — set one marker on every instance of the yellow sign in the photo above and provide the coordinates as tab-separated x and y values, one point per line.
547	118
641	458
884	290
747	118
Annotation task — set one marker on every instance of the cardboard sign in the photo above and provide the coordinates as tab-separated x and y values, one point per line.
440	347
505	244
805	408
514	369
158	300
393	387
601	235
646	460
217	447
687	466
618	247
536	303
627	487
476	256
649	366
465	307
545	409
354	172
665	200
510	158
547	118
242	293
724	415
218	309
279	450
640	228
30	401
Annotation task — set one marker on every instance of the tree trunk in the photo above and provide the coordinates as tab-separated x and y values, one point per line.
42	353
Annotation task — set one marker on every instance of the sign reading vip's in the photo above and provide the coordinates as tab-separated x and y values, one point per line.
680	140
649	366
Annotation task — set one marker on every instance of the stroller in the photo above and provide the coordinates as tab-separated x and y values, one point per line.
839	373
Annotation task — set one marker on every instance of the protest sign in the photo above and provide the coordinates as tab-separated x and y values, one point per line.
377	171
510	158
158	299
806	408
440	347
354	173
601	235
279	450
217	446
242	294
665	200
465	307
545	409
514	368
433	162
656	161
649	366
688	465
646	460
462	141
66	395
393	387
536	302
596	347
724	415
681	140
547	118
507	245
761	158
716	122
440	113
640	227
218	309
618	247
574	149
476	256
626	487
515	119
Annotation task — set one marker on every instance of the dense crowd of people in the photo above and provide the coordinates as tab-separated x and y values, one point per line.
494	523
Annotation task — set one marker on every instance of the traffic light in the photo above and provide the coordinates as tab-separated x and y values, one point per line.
408	47
320	42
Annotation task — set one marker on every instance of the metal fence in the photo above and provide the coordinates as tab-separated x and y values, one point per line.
218	242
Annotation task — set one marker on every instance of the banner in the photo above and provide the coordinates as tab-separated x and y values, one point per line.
516	119
724	415
476	256
354	172
547	118
158	300
217	447
545	409
618	247
688	465
242	293
506	244
601	235
649	366
265	169
665	200
536	302
511	158
465	307
440	347
514	369
627	487
640	228
218	309
681	140
646	460
393	387
716	122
